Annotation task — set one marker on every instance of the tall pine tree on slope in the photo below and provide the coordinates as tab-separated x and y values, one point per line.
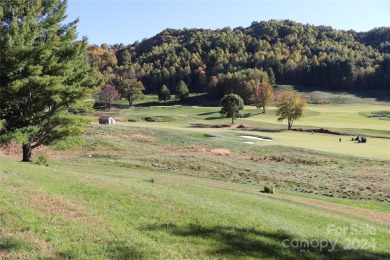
43	71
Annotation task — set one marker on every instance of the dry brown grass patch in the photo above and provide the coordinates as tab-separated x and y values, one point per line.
67	209
11	149
218	151
138	137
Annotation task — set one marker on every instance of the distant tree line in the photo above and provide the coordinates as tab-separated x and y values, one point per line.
237	60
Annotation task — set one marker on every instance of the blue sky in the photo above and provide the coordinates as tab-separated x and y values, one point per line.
125	21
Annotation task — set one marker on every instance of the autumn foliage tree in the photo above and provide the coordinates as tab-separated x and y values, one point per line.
263	96
107	94
284	50
212	86
291	106
133	90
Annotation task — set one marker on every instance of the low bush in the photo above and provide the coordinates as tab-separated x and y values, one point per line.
159	119
42	160
69	143
269	188
151	180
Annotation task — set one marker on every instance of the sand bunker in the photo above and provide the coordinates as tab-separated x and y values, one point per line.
255	138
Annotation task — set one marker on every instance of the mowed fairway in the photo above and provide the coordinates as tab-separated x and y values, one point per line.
338	116
350	120
375	148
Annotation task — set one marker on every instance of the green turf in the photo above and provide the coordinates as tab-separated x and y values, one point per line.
345	119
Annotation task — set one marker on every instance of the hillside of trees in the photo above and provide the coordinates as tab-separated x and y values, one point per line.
236	60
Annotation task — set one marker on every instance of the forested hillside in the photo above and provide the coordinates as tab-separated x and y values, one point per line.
236	60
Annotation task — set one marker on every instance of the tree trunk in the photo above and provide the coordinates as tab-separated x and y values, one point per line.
263	109
27	152
130	101
109	105
289	125
232	120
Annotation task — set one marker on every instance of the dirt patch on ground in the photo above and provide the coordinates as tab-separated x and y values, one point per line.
11	149
14	151
219	151
54	206
138	137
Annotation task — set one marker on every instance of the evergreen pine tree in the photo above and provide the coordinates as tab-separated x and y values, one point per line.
43	71
182	90
164	94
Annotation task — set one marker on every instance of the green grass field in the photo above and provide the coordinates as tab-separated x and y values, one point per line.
348	120
174	184
92	210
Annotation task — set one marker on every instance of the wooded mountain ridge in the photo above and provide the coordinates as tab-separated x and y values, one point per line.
235	60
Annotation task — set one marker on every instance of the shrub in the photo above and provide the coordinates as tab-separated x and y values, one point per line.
164	94
69	143
151	180
42	160
182	90
269	188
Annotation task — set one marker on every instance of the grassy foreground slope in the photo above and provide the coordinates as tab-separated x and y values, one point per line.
94	210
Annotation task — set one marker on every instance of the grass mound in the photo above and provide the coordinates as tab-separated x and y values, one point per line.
380	114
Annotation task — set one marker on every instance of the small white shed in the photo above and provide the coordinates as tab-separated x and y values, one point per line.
110	120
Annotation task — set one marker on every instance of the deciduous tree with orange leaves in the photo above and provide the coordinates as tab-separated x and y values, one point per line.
263	96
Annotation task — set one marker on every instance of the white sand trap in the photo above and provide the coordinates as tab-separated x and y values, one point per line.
255	138
248	142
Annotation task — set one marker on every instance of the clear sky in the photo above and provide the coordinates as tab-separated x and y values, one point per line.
125	21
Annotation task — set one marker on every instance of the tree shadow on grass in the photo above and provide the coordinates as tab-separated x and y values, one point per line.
115	249
199	125
214	117
9	243
207	113
246	115
122	250
232	242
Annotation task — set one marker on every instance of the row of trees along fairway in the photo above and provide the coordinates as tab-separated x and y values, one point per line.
43	72
291	105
